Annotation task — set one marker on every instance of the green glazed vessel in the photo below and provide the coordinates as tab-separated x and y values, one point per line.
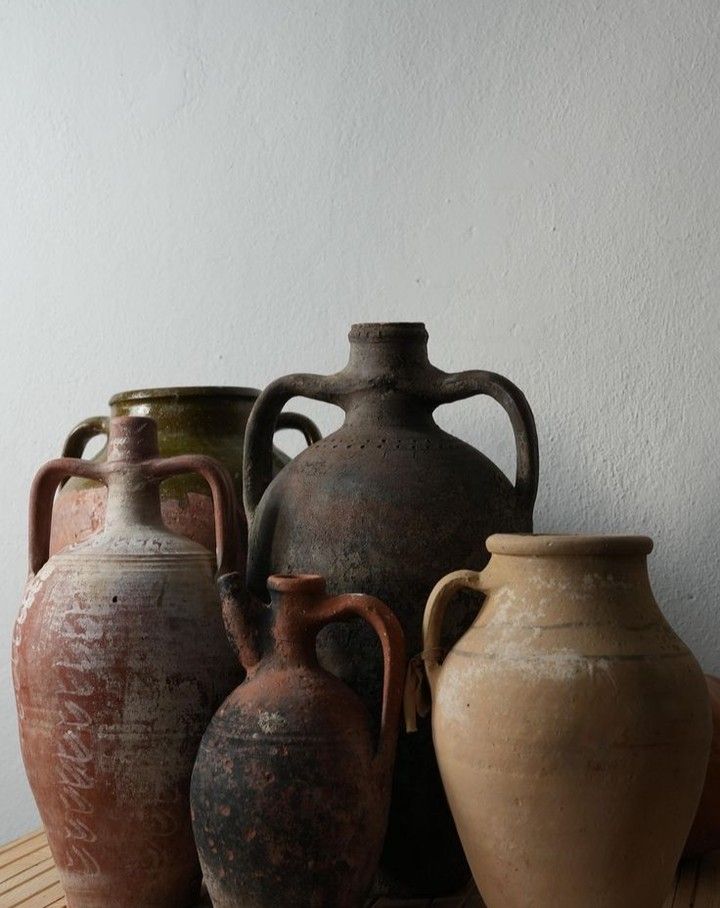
190	420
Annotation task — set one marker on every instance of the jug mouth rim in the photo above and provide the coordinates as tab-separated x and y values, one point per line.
372	331
539	544
182	392
296	583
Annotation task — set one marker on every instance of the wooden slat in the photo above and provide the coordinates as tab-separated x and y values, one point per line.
28	879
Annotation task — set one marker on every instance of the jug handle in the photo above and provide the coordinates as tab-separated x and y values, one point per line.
459	385
302	424
264	420
79	436
431	658
388	629
42	492
225	507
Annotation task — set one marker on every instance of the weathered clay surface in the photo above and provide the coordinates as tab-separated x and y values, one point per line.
571	725
208	421
387	505
705	834
289	793
119	661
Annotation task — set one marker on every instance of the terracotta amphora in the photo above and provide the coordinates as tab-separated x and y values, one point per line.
120	659
208	421
571	725
290	790
389	503
705	833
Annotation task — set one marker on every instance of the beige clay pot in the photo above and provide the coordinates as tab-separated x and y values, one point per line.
571	725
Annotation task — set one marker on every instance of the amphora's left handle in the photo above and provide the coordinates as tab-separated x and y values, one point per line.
432	656
388	629
45	484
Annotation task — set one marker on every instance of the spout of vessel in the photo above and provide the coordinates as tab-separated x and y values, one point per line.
241	614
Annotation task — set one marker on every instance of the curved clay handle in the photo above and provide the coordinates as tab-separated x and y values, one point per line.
223	497
42	493
79	436
82	433
459	385
266	412
433	654
302	423
388	629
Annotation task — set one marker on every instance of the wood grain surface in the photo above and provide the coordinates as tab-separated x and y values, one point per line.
28	878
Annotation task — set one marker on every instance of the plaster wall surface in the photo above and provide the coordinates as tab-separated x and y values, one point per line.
211	192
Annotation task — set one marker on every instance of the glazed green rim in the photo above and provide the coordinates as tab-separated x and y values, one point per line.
539	544
182	392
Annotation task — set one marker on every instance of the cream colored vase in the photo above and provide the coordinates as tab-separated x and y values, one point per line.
572	726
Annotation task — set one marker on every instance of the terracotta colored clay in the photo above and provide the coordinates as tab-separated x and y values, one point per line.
571	725
289	792
705	833
120	659
386	505
208	421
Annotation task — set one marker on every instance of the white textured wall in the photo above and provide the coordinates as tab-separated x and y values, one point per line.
211	192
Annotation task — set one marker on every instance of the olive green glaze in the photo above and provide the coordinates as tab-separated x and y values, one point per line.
190	420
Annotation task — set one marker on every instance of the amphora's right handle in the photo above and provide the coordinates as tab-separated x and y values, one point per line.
459	385
45	485
431	658
265	419
388	629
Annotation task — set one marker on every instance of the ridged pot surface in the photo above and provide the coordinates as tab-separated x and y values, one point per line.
204	420
571	725
386	505
119	660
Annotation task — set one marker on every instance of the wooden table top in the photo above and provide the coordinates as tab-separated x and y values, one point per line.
28	878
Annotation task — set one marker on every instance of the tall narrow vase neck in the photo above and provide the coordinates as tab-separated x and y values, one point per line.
388	351
294	599
133	500
390	369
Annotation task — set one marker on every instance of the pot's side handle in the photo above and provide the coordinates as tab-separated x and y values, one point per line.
302	423
79	436
431	658
266	411
388	629
459	385
42	493
223	496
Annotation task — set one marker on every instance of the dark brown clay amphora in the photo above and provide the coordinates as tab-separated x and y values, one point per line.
388	504
290	792
120	659
208	421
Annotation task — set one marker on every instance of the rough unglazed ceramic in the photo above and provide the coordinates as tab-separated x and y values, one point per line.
705	833
571	725
290	792
208	421
386	505
120	659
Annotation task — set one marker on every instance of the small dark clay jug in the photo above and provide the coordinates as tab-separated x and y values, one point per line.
120	659
388	504
290	791
205	420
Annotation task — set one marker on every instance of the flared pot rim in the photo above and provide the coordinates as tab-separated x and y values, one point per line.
539	544
182	392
